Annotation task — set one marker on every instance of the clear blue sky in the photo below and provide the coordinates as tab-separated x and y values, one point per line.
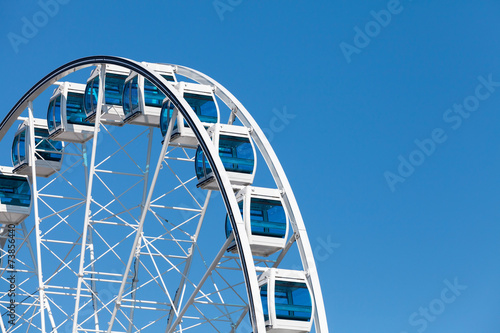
361	101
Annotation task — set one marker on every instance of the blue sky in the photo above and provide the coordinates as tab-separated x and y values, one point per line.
356	112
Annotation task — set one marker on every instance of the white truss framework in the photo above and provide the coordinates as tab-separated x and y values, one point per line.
119	241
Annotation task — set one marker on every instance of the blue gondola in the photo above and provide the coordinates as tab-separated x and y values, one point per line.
48	153
237	153
66	115
142	100
266	222
286	300
112	111
202	100
15	197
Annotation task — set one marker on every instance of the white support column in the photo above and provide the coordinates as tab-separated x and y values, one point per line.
91	242
137	257
100	100
95	302
41	287
141	221
30	248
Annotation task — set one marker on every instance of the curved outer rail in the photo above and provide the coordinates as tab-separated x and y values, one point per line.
255	306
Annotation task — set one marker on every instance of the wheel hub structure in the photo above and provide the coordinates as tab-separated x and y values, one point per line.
133	202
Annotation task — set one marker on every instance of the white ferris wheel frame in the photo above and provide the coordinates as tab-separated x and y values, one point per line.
228	195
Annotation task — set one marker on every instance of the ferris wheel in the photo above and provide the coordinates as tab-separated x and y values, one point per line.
132	205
